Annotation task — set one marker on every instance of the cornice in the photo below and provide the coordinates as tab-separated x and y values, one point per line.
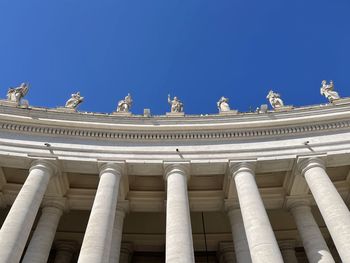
213	127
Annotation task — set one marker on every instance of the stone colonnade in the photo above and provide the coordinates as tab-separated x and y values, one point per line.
253	237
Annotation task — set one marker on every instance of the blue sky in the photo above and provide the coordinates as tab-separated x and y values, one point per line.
198	50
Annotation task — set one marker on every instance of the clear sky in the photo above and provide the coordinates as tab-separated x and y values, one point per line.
197	50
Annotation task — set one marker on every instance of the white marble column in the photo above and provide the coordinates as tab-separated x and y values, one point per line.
39	247
314	244
261	239
287	248
19	221
238	234
126	253
117	234
179	244
332	207
98	236
226	254
64	251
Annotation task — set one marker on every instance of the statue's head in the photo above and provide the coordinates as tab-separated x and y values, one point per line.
175	98
324	82
23	85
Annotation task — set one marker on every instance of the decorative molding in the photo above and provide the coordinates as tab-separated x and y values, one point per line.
186	135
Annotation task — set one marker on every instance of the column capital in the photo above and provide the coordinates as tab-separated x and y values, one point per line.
287	244
126	247
112	167
183	168
307	162
231	205
237	166
66	245
294	202
46	165
59	203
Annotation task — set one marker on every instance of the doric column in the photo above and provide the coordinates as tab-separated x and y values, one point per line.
98	236
64	251
126	253
261	239
39	247
226	254
117	233
238	233
332	207
288	251
19	221
179	244
314	244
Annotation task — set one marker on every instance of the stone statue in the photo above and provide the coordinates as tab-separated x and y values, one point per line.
125	104
176	104
275	100
223	104
327	90
16	94
74	101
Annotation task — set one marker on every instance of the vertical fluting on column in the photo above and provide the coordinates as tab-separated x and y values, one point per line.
261	239
238	233
19	221
64	251
332	207
179	244
126	250
287	248
39	247
314	244
98	235
226	254
117	234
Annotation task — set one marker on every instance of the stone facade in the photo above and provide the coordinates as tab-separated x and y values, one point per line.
224	188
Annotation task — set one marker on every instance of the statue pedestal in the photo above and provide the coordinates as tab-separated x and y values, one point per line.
64	109
341	101
122	113
10	103
175	114
284	108
229	112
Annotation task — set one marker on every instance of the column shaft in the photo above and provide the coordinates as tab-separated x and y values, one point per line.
179	244
261	239
39	247
239	237
117	236
288	251
97	240
314	244
19	221
332	207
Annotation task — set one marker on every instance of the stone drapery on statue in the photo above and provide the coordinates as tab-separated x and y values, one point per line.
223	104
74	101
125	104
16	94
275	100
328	91
176	104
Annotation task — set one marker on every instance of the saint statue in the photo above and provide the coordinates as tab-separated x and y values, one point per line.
327	90
74	101
125	104
223	104
16	94
275	100
176	104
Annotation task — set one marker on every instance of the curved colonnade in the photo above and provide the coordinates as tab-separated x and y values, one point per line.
87	187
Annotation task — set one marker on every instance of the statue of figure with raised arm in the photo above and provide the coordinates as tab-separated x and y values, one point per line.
275	100
16	94
74	101
223	104
176	104
125	104
328	91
